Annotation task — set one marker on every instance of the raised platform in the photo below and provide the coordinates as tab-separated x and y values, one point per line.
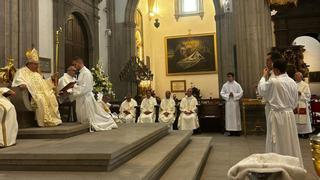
64	130
98	151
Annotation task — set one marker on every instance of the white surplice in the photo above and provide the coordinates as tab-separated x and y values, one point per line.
232	107
87	108
63	81
130	107
282	94
304	120
147	104
167	106
9	124
267	106
188	121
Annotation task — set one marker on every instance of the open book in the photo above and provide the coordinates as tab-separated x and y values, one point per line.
68	86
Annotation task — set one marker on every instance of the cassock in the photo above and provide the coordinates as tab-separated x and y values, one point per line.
267	106
282	94
302	112
64	81
188	121
9	124
130	107
232	107
87	108
167	106
147	104
43	97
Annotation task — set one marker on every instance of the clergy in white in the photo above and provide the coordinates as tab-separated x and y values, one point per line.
302	112
8	115
282	94
147	109
167	110
128	110
188	119
64	81
232	92
87	108
269	65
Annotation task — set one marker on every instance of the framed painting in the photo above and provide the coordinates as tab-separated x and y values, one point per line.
178	86
45	65
192	54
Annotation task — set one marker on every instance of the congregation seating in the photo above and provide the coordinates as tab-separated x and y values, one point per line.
210	114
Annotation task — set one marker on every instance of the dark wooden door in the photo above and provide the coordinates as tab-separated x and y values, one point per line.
76	41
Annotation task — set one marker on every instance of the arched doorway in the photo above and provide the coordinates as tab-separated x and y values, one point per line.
76	40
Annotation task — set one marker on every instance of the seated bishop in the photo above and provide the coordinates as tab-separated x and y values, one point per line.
167	110
147	109
188	119
42	91
128	110
8	115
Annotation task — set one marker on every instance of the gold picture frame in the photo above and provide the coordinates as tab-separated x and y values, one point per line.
178	86
191	54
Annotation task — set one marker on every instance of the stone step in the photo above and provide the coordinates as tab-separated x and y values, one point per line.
190	163
97	151
148	165
65	130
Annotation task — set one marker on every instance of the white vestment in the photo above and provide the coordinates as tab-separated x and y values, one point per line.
267	106
282	94
147	104
87	108
188	121
303	119
130	107
167	106
232	107
63	81
9	124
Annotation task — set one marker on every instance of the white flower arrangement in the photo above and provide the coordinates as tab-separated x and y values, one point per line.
102	83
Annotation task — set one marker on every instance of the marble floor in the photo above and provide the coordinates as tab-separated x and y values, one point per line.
227	151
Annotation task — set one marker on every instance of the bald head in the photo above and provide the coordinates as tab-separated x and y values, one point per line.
189	92
71	71
168	94
298	76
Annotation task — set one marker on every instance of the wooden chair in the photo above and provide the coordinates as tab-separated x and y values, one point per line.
315	112
25	111
211	115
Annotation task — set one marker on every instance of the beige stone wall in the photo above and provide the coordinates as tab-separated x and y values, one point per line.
154	45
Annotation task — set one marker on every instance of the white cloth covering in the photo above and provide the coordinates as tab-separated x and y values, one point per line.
147	104
130	107
304	120
87	108
232	107
282	94
9	124
188	121
167	106
287	167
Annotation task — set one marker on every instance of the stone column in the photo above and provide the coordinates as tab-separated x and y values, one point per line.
253	36
28	27
225	42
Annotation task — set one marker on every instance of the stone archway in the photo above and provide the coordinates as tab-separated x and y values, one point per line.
85	12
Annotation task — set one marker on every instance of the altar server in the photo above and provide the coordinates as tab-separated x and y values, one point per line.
232	92
282	94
